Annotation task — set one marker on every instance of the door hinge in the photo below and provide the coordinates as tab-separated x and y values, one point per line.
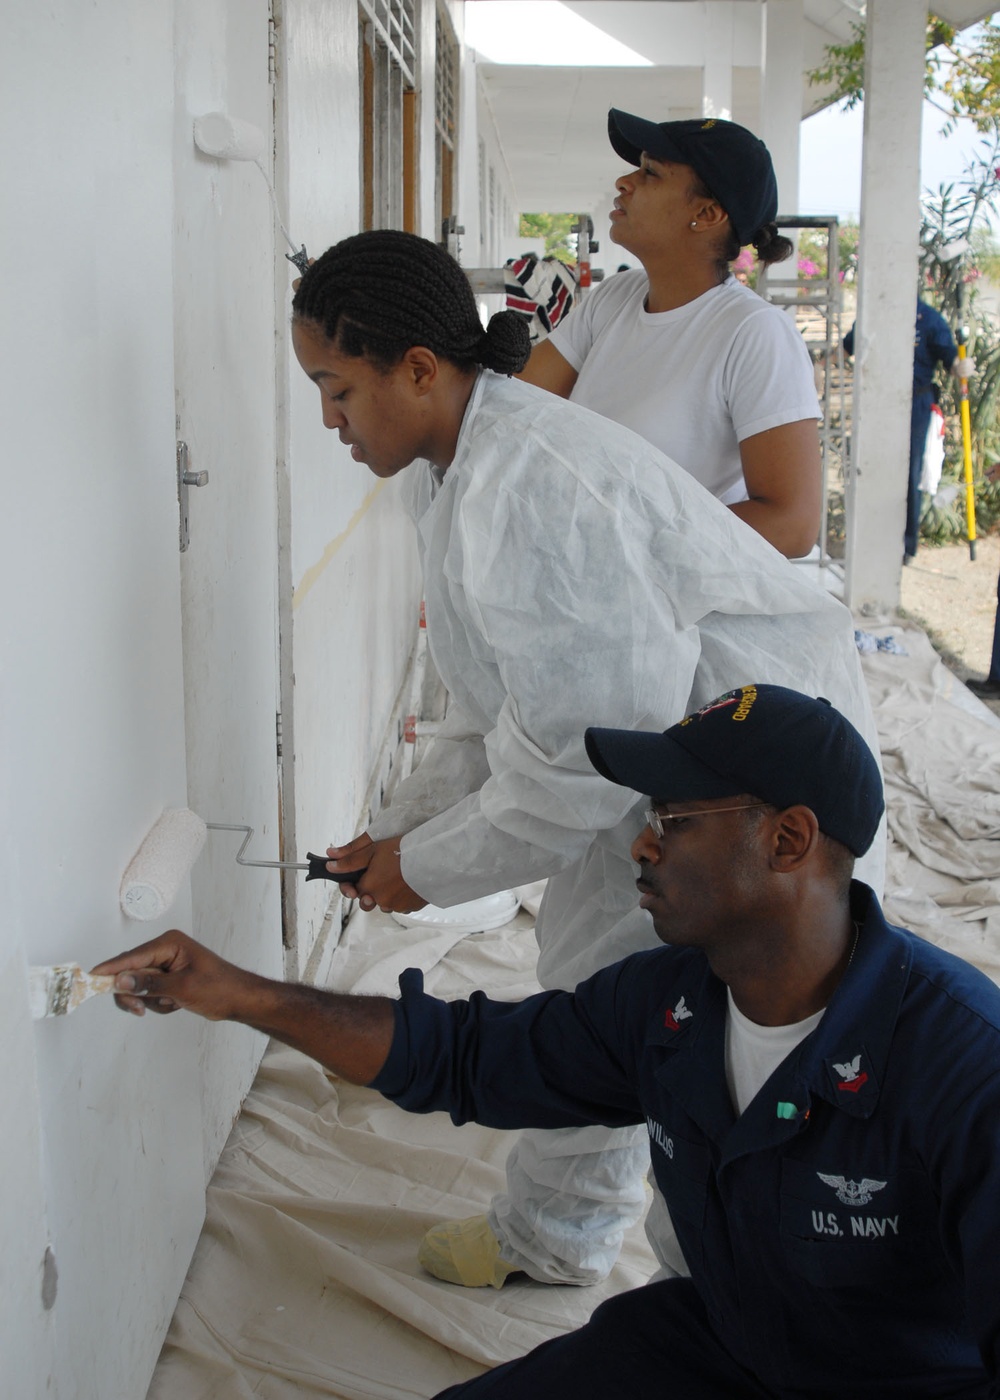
277	731
272	49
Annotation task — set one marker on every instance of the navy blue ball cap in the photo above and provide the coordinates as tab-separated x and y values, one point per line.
773	743
733	162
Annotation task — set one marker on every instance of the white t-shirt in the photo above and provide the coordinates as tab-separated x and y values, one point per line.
694	381
754	1052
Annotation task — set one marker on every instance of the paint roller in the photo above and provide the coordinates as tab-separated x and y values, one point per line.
164	860
231	138
148	889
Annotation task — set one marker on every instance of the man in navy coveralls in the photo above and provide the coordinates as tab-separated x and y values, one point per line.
821	1089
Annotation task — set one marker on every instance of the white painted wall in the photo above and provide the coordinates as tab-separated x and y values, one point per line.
224	387
26	1317
93	723
136	679
147	287
490	224
349	575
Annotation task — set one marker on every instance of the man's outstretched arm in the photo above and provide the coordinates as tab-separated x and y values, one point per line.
350	1035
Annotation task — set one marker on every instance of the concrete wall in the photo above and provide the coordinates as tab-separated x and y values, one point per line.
224	387
350	577
147	298
93	734
492	210
349	574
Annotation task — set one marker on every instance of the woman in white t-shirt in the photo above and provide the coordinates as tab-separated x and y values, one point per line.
680	351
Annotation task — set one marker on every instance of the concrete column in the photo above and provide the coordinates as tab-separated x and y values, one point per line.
781	94
887	288
717	73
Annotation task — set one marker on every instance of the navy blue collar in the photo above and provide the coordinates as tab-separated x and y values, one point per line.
843	1061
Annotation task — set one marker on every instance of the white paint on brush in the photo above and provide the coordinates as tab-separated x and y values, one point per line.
55	991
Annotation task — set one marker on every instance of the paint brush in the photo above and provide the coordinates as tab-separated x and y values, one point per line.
55	991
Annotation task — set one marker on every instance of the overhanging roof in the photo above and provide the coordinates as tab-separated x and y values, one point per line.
551	120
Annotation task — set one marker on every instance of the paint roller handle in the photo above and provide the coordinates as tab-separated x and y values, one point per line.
318	871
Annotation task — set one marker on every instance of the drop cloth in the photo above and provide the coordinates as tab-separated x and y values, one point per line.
941	762
305	1281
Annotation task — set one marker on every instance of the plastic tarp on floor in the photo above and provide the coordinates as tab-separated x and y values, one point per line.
941	760
305	1281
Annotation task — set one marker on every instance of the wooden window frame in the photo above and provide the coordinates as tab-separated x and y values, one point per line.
388	114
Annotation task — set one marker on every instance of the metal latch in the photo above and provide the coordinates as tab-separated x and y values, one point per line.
184	480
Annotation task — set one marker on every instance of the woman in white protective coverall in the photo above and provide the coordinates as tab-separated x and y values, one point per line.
573	576
678	350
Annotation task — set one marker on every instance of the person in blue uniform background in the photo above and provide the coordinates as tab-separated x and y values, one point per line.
933	345
819	1087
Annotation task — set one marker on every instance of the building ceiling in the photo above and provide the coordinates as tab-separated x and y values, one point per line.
551	120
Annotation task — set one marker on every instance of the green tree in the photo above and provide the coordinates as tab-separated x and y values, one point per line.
962	77
556	229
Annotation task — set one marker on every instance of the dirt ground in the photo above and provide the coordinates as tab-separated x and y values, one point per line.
955	601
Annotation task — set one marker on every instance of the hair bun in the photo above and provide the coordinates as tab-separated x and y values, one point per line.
770	245
506	343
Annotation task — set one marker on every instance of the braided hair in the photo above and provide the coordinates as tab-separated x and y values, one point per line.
379	293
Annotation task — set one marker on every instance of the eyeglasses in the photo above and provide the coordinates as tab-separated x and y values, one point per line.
657	819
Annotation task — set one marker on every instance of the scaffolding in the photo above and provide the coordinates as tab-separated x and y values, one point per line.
817	301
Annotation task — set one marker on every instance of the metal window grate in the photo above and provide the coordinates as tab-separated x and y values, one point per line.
446	97
388	113
394	24
445	80
483	229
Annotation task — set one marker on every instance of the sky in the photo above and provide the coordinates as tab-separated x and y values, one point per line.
830	166
830	159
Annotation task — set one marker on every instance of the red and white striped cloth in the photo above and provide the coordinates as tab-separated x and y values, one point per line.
542	290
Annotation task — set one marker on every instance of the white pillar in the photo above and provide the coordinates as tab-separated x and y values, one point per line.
887	288
781	95
717	73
